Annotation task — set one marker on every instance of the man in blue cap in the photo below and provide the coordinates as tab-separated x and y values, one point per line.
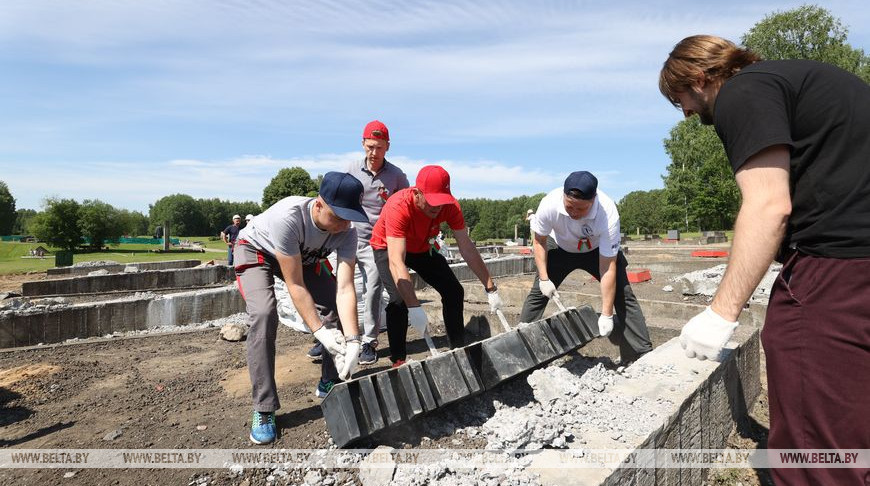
577	227
291	240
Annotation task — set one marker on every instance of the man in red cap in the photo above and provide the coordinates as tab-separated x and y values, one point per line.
404	237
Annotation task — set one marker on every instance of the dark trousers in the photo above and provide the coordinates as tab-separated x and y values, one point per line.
816	339
255	274
629	327
433	268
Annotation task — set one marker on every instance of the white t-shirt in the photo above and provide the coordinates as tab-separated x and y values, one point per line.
598	229
287	226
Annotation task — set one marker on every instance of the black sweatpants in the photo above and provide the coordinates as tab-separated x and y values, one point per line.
433	268
629	327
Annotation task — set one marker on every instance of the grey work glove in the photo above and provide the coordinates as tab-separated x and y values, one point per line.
705	335
418	320
495	302
350	360
332	340
605	325
547	288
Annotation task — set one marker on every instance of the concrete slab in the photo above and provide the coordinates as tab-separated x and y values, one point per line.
444	375
389	404
427	398
472	378
503	357
587	320
568	330
563	343
409	398
371	408
538	343
339	413
557	342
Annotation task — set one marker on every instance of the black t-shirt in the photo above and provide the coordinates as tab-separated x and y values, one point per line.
823	114
232	232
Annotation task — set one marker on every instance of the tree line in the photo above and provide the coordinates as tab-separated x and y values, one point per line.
699	191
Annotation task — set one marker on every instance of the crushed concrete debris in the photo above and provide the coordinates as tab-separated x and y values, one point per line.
131	269
27	306
571	400
96	263
95	273
705	282
234	331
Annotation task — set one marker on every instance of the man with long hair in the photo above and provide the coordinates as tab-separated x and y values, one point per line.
797	135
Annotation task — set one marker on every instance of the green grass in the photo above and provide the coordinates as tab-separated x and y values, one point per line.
12	255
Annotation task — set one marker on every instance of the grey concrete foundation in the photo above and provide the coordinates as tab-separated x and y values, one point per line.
131	282
106	317
119	267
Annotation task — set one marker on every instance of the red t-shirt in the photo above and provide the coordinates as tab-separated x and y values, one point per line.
401	218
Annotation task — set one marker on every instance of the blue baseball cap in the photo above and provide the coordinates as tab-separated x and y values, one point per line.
584	182
343	193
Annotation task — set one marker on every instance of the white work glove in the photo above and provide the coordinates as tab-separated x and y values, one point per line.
418	320
605	325
351	359
547	288
332	340
495	302
705	335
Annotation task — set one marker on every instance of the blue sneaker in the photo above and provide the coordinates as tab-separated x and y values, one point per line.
368	354
315	354
323	387
263	427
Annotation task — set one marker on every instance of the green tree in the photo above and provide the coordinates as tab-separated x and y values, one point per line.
58	224
807	32
699	181
183	214
22	221
133	223
100	222
645	212
289	182
7	210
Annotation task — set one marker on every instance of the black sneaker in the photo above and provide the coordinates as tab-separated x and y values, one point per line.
316	353
368	354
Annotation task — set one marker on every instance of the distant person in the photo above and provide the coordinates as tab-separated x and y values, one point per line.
577	227
248	219
229	236
404	238
796	134
291	240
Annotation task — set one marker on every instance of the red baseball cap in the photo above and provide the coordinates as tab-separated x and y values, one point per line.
434	182
376	129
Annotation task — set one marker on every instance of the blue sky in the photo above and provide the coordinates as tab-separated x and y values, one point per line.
130	101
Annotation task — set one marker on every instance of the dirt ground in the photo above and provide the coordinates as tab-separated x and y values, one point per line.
191	390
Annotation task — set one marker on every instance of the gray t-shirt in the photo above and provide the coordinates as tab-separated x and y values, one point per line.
288	227
376	189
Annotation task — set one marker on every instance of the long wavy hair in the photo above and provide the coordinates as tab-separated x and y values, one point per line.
717	58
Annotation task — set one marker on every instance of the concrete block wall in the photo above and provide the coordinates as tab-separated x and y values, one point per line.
140	281
709	400
119	267
501	267
101	318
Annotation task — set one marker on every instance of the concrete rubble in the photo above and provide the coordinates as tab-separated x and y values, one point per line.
705	282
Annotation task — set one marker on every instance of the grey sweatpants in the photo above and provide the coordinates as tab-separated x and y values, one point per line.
255	274
629	327
367	281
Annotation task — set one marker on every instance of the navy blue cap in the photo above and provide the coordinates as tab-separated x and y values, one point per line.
343	193
584	182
